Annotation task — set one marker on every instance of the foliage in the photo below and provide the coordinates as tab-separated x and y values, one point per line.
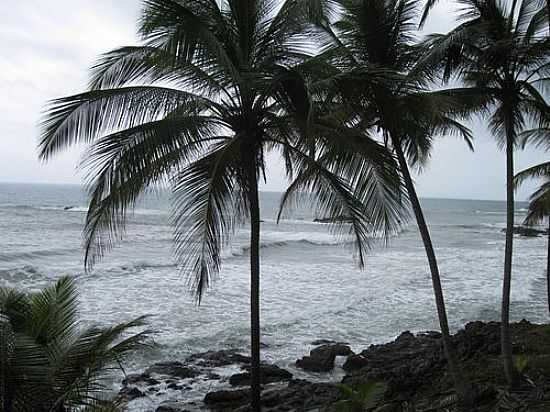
49	359
215	87
360	398
539	200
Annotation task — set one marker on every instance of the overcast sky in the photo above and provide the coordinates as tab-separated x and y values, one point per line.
47	47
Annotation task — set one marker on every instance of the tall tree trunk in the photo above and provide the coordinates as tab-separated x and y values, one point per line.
505	340
548	268
254	289
461	385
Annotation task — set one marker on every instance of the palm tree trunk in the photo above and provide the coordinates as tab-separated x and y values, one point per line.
505	340
459	380
254	290
548	268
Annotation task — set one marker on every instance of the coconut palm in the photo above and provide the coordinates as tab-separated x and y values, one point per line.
48	360
215	86
539	200
500	50
371	48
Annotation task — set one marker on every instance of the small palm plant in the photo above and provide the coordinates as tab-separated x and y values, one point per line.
48	360
539	206
360	398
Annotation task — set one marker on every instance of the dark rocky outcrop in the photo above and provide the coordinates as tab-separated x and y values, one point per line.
176	369
218	358
355	362
127	394
412	366
321	359
268	374
170	406
298	395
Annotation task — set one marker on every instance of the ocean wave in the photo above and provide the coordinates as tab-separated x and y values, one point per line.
40	253
281	239
519	211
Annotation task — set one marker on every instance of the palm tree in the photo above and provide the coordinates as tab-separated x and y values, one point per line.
48	360
539	206
215	86
372	47
500	51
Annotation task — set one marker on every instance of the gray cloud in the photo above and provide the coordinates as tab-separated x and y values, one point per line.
48	46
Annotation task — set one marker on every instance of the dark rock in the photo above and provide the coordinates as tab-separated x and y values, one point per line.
176	369
135	378
226	397
321	359
389	407
218	358
175	387
129	394
403	363
317	363
170	406
335	219
268	374
354	362
337	349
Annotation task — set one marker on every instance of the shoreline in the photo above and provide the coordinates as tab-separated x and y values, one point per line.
412	367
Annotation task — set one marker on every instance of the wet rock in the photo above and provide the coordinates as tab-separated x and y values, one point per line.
389	407
354	362
176	369
135	378
321	359
403	363
175	386
129	394
226	397
215	359
337	349
268	374
316	364
170	406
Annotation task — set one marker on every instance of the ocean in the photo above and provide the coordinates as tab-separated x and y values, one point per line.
311	287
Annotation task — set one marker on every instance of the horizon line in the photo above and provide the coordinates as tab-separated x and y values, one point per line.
263	191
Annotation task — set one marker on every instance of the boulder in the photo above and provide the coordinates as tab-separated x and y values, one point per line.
129	394
268	374
316	363
336	349
170	406
354	362
175	369
215	359
321	359
226	397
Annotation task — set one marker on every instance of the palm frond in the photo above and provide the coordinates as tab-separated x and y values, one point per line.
83	117
206	209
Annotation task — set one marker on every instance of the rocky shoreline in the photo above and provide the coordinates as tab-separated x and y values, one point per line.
412	367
